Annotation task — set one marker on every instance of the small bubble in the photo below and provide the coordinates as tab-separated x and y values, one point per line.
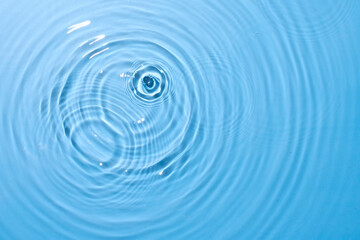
143	119
161	172
139	121
100	164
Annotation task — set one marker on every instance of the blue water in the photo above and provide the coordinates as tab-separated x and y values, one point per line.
193	119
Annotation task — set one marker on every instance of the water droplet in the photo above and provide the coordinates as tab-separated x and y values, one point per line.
149	83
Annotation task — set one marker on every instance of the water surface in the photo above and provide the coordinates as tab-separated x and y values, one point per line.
202	119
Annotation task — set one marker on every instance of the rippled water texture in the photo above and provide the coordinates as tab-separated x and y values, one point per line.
180	119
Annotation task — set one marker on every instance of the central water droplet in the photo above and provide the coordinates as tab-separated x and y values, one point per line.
148	83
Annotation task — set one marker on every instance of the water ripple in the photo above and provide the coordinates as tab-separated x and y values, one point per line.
181	120
309	18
